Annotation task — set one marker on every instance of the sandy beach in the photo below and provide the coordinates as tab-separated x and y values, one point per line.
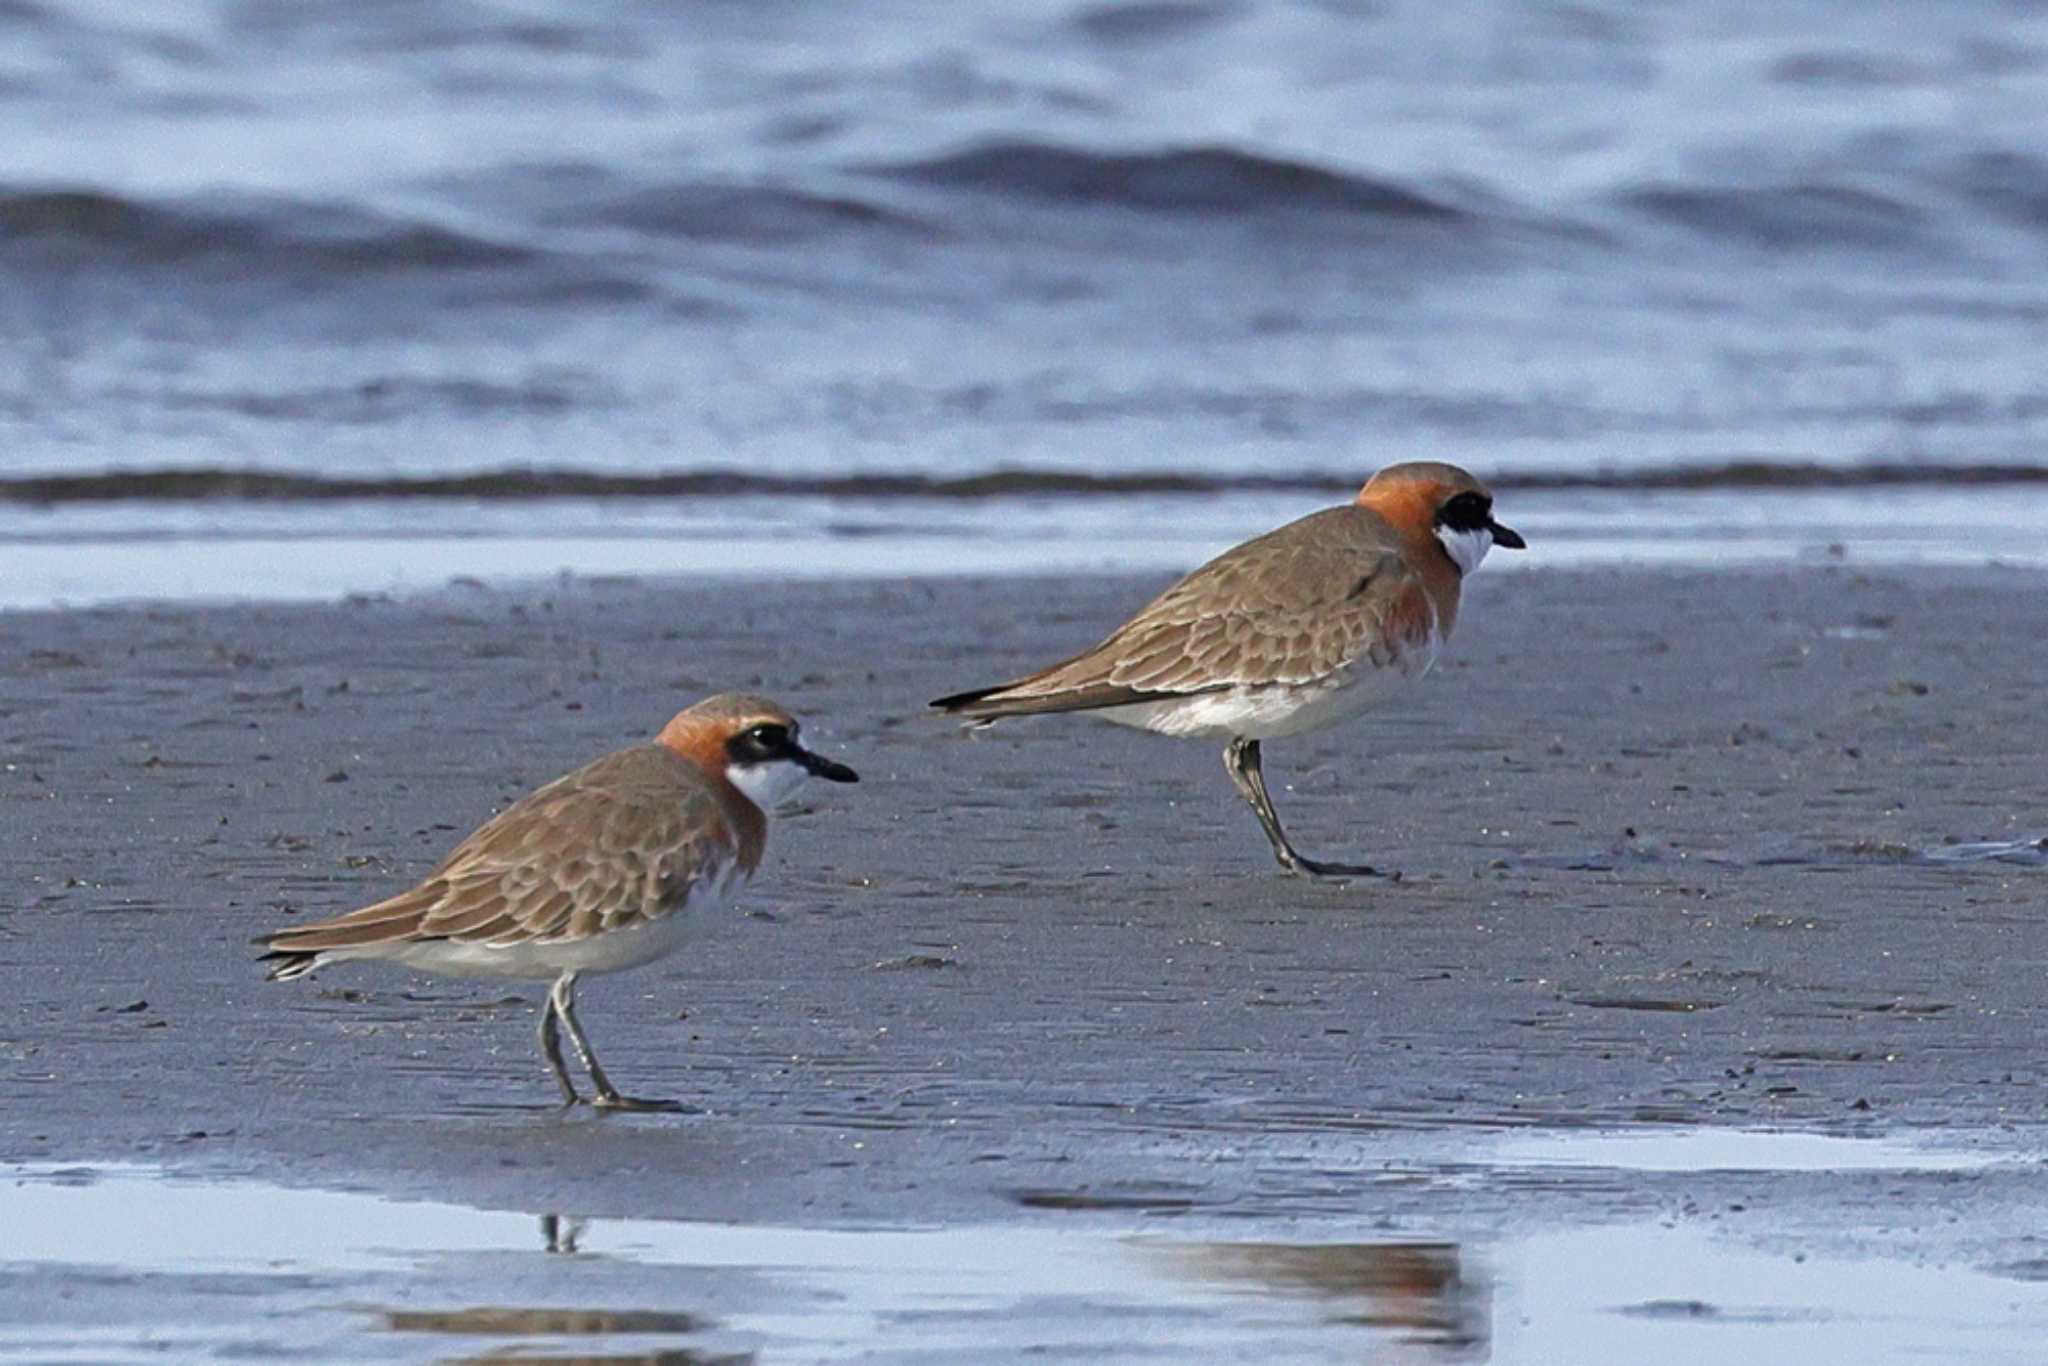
1679	849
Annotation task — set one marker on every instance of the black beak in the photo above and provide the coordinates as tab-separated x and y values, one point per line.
823	767
1506	537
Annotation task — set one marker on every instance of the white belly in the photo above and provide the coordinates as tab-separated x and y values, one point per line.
1269	711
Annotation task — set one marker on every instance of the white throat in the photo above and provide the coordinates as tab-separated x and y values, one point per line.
765	785
1468	548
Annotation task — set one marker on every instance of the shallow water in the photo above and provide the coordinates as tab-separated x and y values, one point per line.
140	551
110	1259
1731	1150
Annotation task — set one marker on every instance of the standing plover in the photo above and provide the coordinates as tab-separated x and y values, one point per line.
1293	631
607	868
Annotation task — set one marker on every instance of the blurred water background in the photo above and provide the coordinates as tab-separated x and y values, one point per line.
305	298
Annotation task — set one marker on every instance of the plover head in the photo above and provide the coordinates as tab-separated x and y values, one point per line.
1446	501
753	742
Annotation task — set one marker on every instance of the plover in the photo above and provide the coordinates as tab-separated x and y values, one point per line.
1292	631
610	867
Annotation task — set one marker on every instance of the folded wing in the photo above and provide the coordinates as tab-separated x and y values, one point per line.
1325	593
624	839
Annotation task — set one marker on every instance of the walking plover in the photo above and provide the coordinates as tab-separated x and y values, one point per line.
1293	631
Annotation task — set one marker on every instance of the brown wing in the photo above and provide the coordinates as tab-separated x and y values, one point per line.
1293	605
623	839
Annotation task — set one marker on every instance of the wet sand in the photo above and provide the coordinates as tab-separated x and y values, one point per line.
1676	849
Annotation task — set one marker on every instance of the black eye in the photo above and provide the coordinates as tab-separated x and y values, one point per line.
1466	512
757	744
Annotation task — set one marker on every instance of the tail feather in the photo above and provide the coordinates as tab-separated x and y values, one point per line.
296	951
392	918
286	964
986	705
967	703
314	938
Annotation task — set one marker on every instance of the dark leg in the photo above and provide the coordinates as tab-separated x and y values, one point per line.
560	1234
563	998
551	1049
1241	760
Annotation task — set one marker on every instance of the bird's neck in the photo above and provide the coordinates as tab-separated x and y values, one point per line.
1411	515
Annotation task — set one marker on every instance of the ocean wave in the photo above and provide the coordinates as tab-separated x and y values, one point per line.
1851	70
581	194
515	484
1147	22
28	14
1205	180
1782	217
401	397
83	226
753	213
2012	185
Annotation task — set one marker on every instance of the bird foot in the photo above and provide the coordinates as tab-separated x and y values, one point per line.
614	1101
1317	868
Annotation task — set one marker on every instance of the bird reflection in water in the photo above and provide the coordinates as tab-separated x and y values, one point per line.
1418	1291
